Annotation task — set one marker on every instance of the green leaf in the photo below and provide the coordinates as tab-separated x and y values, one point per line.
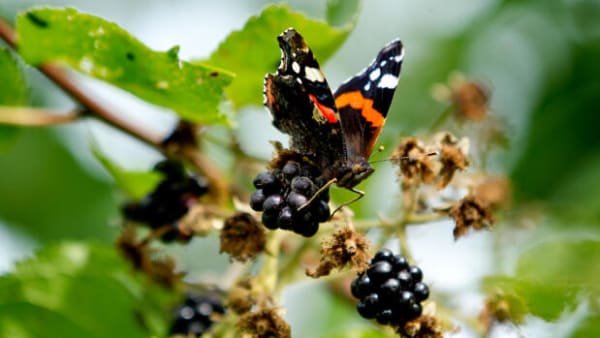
572	264
589	327
82	287
14	93
25	320
104	50
253	51
342	12
552	276
136	184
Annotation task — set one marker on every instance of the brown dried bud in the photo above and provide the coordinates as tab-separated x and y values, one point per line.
415	164
424	326
471	213
496	191
502	307
345	246
242	237
239	298
471	100
264	323
453	157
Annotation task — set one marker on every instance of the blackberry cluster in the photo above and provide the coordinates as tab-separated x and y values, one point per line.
282	191
170	200
391	290
196	315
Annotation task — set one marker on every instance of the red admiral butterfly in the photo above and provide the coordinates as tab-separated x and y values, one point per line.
336	131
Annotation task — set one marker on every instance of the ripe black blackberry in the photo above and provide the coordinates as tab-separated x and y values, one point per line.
282	192
391	290
197	314
170	200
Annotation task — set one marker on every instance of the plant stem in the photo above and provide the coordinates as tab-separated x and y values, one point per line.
267	277
60	76
32	117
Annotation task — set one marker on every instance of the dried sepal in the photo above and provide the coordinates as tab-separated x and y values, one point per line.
453	157
495	190
424	326
344	247
471	213
262	323
416	166
242	237
143	258
240	298
501	307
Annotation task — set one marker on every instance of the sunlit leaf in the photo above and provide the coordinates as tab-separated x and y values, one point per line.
104	50
253	51
589	327
136	184
73	284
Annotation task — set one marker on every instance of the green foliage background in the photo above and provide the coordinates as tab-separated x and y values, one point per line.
540	59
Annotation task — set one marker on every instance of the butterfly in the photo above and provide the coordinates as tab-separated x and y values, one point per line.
337	131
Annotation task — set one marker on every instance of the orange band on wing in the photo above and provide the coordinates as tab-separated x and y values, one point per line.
357	101
327	112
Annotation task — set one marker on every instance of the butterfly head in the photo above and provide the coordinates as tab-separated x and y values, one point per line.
353	172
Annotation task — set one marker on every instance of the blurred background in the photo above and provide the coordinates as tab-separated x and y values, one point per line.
540	60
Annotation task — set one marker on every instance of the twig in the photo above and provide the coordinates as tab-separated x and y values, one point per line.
60	76
27	116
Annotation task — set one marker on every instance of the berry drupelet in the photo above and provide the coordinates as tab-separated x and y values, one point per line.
282	194
170	200
196	315
391	290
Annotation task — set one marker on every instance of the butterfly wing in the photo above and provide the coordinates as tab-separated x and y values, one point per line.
302	104
363	101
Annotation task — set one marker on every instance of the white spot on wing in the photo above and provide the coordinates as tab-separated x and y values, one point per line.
383	63
313	74
388	81
374	75
367	87
296	67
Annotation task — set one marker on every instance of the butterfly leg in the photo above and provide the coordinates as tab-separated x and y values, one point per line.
323	188
360	194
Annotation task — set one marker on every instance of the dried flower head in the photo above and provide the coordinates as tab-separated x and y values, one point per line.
495	190
264	323
242	237
240	298
345	246
469	98
453	156
415	164
143	258
502	307
471	213
424	326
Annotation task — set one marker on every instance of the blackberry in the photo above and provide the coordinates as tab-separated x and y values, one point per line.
283	193
196	315
169	201
390	290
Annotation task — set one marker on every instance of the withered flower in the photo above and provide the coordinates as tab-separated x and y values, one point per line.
469	98
264	323
424	326
345	246
242	237
415	164
471	213
495	190
453	157
239	298
502	307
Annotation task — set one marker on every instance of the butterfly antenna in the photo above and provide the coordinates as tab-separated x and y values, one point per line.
433	153
323	188
360	194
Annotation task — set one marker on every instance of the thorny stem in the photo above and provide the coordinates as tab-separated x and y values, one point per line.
60	76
